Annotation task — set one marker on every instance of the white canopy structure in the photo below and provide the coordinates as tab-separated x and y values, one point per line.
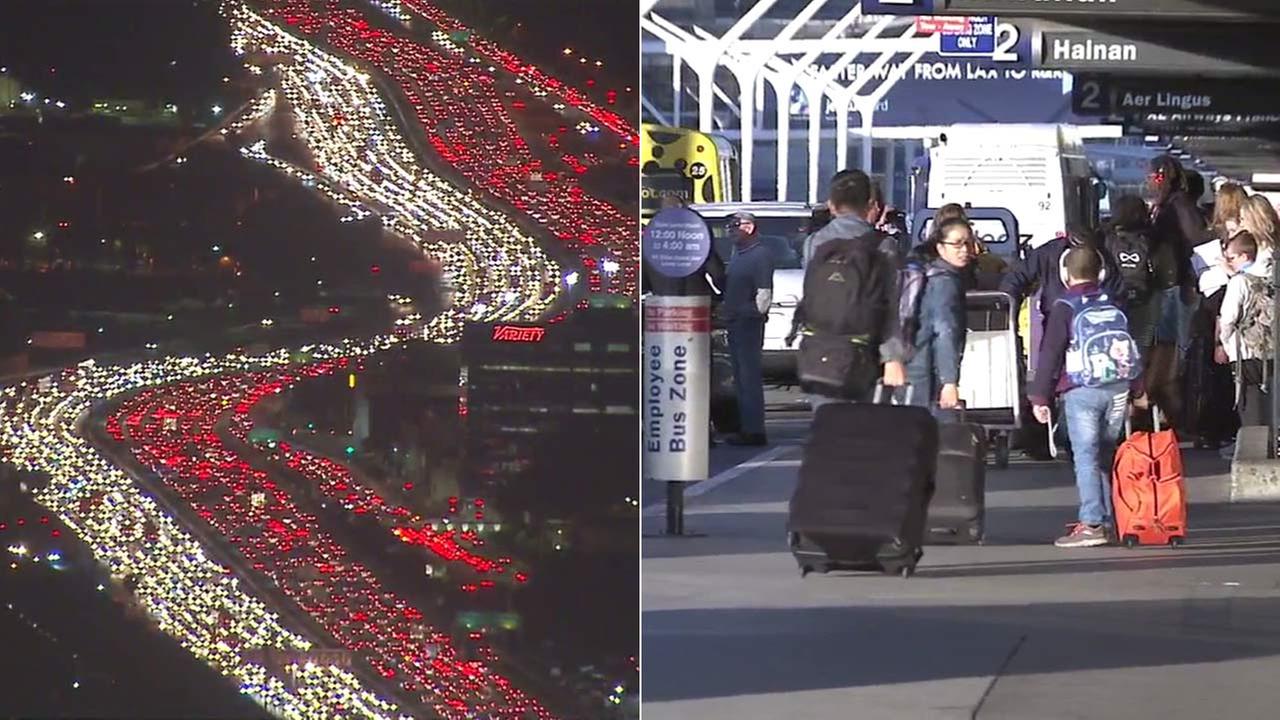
755	53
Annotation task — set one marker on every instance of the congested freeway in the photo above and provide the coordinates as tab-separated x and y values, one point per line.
473	124
528	72
191	596
172	432
223	559
499	272
453	538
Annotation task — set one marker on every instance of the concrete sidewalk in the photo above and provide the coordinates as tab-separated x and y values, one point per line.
1014	629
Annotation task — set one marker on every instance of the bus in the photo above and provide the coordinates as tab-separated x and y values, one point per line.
691	166
1039	172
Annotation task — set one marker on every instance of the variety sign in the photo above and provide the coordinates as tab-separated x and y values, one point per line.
518	333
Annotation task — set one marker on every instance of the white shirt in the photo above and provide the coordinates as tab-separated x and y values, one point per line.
1210	274
1233	304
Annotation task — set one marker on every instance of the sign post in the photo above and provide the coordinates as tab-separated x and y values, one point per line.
676	362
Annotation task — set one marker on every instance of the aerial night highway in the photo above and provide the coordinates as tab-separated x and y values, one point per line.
262	493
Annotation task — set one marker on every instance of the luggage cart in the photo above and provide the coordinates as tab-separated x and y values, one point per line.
990	383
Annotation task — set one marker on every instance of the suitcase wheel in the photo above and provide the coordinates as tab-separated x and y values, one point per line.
1176	541
1002	451
805	570
1130	541
919	554
906	571
975	534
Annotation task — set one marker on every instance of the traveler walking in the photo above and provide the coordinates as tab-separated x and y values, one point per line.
1091	361
874	294
936	324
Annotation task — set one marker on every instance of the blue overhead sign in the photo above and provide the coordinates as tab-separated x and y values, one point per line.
976	36
897	7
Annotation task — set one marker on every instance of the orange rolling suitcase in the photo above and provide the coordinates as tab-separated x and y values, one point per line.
1147	489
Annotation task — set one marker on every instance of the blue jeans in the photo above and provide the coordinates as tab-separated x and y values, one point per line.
1174	327
1095	419
746	350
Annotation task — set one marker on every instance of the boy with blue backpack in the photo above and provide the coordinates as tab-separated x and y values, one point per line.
1088	358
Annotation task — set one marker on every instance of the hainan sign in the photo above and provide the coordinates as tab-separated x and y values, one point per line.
1175	53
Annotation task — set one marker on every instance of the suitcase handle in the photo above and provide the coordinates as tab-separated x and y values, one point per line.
959	413
1155	421
878	397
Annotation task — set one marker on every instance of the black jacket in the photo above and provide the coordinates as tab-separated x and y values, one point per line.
1043	266
1178	227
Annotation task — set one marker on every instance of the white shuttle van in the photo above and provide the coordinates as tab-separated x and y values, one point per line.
1038	172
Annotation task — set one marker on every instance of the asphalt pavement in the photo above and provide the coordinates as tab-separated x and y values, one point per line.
1014	629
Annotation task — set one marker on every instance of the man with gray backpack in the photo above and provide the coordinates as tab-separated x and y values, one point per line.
849	309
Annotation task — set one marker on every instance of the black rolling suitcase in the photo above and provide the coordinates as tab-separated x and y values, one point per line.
958	507
864	488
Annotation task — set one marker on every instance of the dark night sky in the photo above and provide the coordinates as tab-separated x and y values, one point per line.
122	48
118	48
607	30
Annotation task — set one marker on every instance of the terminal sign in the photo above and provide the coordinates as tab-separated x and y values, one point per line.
1203	10
1185	9
1094	51
1107	95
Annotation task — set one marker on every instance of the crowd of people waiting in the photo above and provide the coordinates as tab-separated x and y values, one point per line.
1188	286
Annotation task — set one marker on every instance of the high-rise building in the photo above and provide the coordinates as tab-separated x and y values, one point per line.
547	407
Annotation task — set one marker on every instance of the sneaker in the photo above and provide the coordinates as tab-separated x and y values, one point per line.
1083	535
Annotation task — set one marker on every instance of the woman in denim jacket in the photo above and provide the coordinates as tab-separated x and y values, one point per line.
934	368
